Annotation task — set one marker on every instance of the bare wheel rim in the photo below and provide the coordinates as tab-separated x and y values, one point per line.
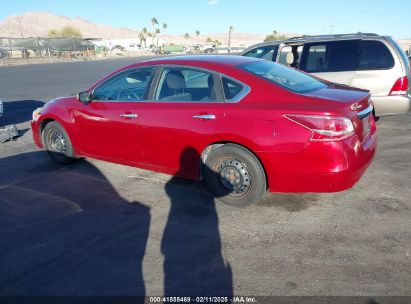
234	177
57	142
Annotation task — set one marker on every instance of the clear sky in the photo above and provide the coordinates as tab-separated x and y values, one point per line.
387	17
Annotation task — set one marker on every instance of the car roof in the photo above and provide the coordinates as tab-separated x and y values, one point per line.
309	38
199	60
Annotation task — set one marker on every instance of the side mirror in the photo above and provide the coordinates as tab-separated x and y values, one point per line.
84	97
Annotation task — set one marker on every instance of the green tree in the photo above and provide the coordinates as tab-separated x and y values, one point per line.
275	36
66	31
69	31
53	33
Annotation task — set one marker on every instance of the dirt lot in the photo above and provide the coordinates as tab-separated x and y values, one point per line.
95	228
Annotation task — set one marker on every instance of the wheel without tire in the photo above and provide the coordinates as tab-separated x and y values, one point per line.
234	175
57	143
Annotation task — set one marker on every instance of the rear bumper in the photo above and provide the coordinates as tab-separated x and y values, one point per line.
391	105
321	166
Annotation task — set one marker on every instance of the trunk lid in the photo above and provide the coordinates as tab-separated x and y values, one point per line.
354	103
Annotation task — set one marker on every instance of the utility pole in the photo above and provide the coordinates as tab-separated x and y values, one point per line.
229	38
331	28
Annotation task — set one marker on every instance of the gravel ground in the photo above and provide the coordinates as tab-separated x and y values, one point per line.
95	228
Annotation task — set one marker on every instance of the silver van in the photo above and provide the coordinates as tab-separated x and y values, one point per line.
368	61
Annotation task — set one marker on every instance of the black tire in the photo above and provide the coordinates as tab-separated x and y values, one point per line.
234	175
57	143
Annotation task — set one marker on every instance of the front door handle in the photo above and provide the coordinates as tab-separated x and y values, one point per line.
206	116
129	115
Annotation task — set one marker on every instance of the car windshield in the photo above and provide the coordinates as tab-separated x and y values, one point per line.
288	78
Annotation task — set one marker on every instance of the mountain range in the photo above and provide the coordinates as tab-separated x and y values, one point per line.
38	24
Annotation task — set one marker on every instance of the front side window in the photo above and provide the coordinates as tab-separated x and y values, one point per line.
185	85
287	78
375	56
333	56
268	52
127	86
290	56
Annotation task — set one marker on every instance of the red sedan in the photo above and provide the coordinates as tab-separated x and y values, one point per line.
243	125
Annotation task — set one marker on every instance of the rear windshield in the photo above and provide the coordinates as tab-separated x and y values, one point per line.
287	78
399	50
375	56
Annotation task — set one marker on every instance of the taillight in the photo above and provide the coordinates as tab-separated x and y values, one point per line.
400	87
324	128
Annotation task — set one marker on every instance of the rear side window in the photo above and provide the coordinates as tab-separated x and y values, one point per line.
265	52
333	56
231	88
185	85
375	56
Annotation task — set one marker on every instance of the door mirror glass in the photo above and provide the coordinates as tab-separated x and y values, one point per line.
84	97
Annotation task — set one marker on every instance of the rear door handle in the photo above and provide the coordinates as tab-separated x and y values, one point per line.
206	116
130	115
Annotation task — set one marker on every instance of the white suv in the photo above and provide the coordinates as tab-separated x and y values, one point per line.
368	61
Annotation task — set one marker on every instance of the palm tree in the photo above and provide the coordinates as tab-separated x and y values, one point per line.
143	36
157	33
150	35
154	21
165	26
186	37
197	33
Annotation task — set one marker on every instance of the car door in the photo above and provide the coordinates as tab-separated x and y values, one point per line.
109	123
335	61
180	122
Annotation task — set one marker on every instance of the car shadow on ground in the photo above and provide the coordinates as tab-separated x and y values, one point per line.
191	243
19	111
65	231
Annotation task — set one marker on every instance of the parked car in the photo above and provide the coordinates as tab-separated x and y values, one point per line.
244	125
366	61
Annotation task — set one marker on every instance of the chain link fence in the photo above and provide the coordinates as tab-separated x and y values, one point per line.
45	49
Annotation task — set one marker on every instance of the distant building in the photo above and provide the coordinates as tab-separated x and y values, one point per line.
128	44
